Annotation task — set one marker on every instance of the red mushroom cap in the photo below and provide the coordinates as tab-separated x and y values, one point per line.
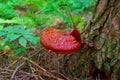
61	41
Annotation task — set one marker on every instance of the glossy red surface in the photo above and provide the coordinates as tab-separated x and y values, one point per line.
61	41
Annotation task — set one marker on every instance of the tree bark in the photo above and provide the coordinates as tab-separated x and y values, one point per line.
102	61
104	31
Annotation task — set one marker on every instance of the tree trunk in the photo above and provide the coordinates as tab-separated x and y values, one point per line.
102	61
104	31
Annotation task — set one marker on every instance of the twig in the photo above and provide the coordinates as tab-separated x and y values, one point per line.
40	77
44	70
29	74
16	70
34	63
39	67
63	76
32	69
12	63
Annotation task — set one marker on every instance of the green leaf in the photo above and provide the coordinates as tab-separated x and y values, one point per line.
8	28
19	29
32	38
12	36
2	33
30	30
18	51
4	39
1	26
22	41
1	20
3	46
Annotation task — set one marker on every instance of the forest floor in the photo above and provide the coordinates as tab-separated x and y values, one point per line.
37	63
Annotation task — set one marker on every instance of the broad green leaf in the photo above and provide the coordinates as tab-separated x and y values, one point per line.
12	36
5	40
8	29
19	50
2	33
32	38
76	5
13	45
19	29
15	29
30	30
22	41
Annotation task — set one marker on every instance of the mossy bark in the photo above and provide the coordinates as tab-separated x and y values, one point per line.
102	61
104	31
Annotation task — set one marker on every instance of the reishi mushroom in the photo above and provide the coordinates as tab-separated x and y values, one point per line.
61	41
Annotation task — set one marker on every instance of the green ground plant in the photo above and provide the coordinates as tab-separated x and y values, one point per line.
40	13
20	18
